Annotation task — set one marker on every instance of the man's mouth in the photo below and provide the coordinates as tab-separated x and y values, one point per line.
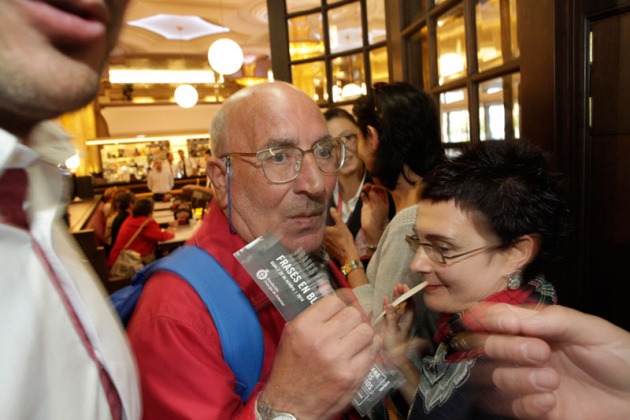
70	23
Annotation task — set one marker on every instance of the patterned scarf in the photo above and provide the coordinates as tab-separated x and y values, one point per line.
536	294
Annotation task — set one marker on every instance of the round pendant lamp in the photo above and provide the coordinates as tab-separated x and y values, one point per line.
186	96
225	56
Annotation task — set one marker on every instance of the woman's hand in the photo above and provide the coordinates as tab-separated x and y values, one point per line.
172	225
397	344
338	240
374	213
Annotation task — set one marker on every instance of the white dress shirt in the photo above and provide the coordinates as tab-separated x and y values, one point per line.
160	182
46	371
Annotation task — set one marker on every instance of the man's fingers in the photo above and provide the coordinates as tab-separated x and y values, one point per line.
521	380
513	379
516	350
521	407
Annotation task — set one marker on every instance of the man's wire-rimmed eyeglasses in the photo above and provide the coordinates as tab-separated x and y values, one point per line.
435	253
282	164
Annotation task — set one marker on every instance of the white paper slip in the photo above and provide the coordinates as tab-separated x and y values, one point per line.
403	298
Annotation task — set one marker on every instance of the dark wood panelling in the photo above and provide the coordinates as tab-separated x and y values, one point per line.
537	43
607	288
610	81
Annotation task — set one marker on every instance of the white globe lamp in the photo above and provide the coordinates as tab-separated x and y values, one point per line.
225	56
186	96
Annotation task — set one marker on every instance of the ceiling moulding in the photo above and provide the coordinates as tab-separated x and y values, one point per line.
178	27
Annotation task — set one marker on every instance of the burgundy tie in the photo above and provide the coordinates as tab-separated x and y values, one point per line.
13	185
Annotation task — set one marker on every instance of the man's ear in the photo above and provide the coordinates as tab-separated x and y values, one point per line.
523	251
373	138
217	171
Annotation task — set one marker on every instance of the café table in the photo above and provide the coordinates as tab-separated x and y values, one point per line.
182	234
163	217
160	206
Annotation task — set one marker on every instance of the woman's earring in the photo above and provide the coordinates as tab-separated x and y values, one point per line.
515	280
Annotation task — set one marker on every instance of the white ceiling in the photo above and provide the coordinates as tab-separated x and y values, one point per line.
247	20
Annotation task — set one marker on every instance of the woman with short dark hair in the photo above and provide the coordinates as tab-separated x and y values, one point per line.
488	226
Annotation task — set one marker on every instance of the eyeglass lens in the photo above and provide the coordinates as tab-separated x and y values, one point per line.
283	164
433	251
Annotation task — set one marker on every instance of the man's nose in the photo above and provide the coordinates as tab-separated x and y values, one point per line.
310	179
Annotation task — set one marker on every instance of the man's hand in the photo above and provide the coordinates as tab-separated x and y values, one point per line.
323	356
558	363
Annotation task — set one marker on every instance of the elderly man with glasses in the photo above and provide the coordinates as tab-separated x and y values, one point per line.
273	170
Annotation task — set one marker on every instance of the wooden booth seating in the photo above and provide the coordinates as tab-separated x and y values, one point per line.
98	260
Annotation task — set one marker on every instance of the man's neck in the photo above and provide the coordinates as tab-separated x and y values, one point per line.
20	128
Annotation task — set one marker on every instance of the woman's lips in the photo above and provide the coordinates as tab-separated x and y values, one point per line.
432	287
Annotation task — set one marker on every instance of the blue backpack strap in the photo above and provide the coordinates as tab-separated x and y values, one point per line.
232	313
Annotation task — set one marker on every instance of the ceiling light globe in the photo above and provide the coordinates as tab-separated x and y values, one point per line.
225	56
186	96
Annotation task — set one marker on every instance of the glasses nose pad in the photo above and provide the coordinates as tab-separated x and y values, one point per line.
298	165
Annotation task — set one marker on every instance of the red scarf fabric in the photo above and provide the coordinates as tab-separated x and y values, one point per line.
536	294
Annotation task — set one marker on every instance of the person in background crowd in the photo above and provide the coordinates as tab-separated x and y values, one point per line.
126	201
346	203
98	221
400	143
489	224
207	157
170	165
150	232
273	170
63	353
186	166
200	195
160	182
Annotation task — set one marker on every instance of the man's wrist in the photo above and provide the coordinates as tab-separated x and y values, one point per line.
265	412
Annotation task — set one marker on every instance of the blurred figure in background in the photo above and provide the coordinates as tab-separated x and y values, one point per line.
186	166
98	221
126	201
400	143
170	165
160	181
150	232
346	203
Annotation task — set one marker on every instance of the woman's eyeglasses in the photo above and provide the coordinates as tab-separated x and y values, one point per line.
435	253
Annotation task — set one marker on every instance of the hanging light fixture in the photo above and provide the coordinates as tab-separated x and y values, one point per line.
225	55
186	95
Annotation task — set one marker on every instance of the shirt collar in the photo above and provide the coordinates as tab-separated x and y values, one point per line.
47	141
